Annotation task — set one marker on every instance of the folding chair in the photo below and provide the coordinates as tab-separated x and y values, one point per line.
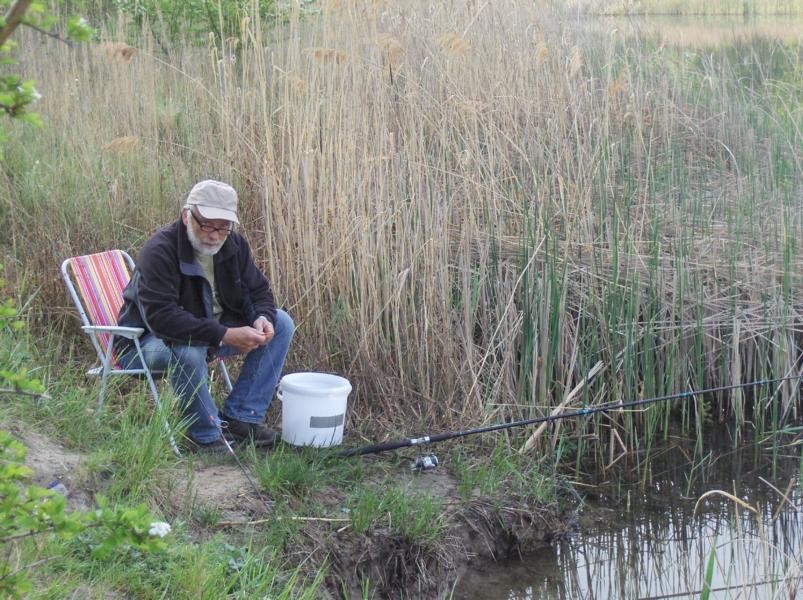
96	283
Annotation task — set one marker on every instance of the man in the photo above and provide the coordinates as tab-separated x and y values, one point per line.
198	294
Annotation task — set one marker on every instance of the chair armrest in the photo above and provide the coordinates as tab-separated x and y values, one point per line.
126	332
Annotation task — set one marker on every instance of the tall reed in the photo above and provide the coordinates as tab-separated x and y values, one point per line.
467	207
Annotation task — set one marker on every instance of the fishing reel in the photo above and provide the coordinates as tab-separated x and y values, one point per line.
424	462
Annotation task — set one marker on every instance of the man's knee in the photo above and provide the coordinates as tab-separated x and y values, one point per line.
189	356
284	324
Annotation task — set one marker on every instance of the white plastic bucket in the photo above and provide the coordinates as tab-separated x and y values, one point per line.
313	408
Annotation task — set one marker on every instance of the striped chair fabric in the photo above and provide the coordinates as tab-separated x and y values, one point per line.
100	279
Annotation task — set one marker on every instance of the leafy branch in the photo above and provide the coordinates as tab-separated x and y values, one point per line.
16	93
29	510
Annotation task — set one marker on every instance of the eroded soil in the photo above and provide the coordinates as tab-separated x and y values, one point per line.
480	529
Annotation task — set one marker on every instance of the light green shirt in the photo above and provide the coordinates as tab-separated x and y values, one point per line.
208	265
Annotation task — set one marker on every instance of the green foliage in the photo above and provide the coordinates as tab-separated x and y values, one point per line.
18	380
30	510
170	21
16	93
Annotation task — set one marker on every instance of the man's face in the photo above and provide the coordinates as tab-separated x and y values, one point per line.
206	236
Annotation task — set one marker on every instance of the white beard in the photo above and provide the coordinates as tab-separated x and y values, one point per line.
200	247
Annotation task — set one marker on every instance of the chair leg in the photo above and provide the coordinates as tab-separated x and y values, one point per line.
104	377
225	373
155	394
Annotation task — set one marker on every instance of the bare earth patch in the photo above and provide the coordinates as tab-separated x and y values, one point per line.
52	463
221	488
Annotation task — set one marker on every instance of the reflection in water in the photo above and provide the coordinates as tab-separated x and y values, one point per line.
651	545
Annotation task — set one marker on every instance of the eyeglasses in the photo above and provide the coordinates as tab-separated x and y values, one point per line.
209	228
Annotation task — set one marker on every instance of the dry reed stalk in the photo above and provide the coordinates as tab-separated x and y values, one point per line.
561	407
397	210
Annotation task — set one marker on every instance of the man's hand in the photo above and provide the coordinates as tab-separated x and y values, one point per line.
266	327
245	339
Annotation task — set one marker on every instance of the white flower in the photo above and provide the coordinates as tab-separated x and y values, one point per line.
82	22
159	528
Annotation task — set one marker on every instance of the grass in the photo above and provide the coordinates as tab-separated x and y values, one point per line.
212	569
470	239
294	472
405	511
514	203
495	471
372	497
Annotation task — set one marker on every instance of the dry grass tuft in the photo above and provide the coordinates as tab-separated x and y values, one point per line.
122	145
392	49
327	55
114	52
541	53
454	44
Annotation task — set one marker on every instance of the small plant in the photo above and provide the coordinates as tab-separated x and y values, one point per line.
407	513
501	471
28	510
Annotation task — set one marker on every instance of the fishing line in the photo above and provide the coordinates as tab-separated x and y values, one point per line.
605	407
223	437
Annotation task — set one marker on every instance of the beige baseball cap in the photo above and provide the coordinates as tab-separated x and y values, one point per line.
214	200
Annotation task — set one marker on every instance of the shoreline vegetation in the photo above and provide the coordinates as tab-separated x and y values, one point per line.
476	212
676	8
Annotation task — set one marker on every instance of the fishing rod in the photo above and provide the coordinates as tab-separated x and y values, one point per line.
429	462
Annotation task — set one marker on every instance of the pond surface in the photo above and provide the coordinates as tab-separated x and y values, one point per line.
647	542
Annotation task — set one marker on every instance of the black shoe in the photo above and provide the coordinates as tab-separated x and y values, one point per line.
257	433
215	448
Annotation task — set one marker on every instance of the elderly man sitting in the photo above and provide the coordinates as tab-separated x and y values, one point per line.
199	295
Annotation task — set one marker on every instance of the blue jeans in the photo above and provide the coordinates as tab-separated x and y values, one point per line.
188	371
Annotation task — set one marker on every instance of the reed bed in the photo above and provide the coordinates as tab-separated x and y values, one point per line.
475	211
745	8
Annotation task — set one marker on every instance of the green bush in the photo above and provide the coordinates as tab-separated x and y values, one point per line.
27	510
192	20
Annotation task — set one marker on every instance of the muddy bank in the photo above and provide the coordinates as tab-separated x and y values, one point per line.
480	529
394	565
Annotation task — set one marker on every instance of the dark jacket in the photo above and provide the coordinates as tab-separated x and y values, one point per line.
169	296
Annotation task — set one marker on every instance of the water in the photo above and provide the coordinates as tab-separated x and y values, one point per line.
644	536
646	542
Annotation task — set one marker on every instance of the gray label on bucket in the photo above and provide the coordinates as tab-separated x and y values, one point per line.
326	422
